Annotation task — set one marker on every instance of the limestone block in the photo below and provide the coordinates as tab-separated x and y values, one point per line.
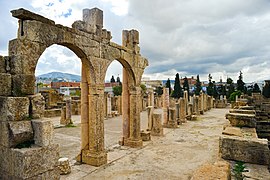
23	84
232	131
64	166
93	16
19	132
250	150
30	162
2	65
15	132
146	136
157	129
43	132
25	14
51	174
241	120
14	108
5	84
37	106
172	123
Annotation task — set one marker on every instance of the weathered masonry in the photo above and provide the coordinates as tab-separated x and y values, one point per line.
91	43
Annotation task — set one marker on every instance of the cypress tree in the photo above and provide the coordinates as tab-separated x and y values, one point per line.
177	93
198	86
168	85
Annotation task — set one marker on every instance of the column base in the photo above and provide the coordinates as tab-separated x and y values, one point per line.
93	159
171	124
133	143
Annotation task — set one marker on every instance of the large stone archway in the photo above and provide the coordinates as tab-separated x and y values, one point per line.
91	43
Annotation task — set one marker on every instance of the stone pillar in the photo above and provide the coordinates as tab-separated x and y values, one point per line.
134	139
177	107
109	105
125	107
196	105
150	110
172	123
157	129
166	102
201	109
182	110
95	155
186	99
150	97
63	116
205	102
84	112
68	110
189	111
119	104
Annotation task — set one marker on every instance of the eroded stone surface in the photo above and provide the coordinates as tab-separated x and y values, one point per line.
37	106
250	150
43	132
14	108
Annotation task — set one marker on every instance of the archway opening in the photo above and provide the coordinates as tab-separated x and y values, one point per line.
113	104
58	80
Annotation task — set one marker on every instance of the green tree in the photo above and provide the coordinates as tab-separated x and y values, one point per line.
240	83
112	79
186	86
198	85
177	92
168	85
230	86
256	88
159	90
117	90
210	88
234	94
266	90
215	91
118	80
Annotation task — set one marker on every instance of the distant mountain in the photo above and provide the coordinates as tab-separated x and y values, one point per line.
60	76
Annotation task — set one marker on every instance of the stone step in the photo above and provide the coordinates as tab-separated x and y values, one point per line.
242	120
242	111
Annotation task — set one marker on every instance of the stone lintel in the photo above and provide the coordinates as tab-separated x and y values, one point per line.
93	159
28	15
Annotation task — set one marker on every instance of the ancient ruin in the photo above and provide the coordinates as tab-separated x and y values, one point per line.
91	43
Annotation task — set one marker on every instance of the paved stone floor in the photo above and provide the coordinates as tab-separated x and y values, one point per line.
175	156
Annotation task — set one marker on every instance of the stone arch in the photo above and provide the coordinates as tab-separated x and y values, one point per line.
91	43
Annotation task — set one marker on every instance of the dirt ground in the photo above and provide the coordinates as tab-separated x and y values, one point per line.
175	156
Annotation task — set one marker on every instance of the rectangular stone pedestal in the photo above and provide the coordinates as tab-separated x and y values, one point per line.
133	143
94	159
29	163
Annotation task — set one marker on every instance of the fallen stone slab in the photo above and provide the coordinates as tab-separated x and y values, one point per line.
250	150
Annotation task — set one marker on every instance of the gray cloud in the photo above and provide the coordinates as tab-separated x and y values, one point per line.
186	36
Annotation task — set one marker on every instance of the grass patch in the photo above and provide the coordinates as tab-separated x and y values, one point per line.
238	170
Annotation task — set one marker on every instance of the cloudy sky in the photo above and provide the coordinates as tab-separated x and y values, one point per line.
191	37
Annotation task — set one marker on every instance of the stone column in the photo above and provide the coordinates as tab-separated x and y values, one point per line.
63	116
177	107
189	111
134	139
196	105
166	102
125	107
186	100
157	129
84	111
172	123
150	110
119	104
150	97
205	102
182	110
68	111
201	109
96	154
109	105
